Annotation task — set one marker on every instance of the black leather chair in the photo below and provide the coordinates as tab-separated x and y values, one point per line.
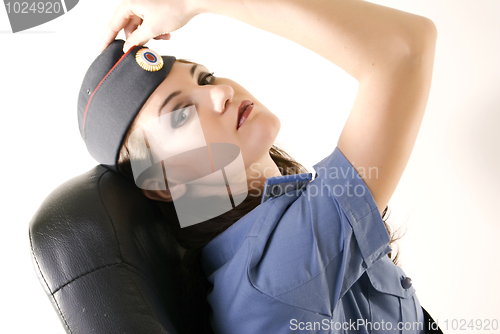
107	264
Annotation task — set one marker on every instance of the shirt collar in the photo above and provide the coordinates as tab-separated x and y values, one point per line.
279	185
222	248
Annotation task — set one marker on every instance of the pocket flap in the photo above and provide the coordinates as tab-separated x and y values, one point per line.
387	278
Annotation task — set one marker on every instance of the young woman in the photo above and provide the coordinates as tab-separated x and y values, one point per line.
311	257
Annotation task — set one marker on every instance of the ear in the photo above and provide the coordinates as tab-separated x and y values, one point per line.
153	189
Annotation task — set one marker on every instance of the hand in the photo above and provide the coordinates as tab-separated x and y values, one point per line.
146	19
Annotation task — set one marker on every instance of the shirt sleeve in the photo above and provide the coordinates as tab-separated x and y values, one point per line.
356	203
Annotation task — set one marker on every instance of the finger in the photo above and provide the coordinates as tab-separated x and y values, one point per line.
165	37
119	20
132	25
140	36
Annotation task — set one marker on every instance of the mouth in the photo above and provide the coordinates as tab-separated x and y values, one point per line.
243	112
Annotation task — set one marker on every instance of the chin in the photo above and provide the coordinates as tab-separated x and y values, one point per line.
262	137
269	126
277	125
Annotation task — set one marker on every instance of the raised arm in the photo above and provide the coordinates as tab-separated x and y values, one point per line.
390	53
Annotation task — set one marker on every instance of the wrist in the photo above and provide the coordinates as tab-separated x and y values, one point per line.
201	6
221	7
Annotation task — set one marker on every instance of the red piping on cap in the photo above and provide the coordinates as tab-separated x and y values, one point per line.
95	90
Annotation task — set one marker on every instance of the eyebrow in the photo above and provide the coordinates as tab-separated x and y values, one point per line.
177	92
193	69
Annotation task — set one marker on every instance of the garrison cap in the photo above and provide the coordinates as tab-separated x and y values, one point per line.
114	89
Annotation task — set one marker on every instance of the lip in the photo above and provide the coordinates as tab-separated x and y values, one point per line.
244	110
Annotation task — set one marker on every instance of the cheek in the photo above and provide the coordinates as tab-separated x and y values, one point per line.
215	133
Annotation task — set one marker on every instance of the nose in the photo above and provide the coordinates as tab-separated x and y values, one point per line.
217	97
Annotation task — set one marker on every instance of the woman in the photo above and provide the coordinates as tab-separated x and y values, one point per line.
313	259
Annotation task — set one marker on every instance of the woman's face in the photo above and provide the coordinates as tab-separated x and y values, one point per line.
216	103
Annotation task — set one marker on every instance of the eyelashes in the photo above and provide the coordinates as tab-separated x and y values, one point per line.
181	116
206	79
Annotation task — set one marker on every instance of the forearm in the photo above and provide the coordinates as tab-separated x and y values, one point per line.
358	36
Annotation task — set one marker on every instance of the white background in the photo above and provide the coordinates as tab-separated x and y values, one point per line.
446	202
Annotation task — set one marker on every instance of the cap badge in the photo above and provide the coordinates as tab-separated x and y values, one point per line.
149	60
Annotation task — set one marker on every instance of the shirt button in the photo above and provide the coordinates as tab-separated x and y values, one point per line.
406	283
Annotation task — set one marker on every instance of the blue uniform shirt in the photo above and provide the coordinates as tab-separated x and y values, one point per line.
311	258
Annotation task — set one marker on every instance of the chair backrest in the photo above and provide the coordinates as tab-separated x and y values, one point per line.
107	264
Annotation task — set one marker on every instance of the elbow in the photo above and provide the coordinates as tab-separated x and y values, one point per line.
410	45
421	38
426	36
431	29
417	45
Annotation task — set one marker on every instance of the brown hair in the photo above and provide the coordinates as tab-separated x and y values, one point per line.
195	286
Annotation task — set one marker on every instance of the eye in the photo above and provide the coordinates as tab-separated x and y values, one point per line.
206	79
181	116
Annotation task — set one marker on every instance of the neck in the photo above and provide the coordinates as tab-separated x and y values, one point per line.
260	170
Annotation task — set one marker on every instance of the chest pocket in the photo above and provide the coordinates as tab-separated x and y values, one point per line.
392	300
